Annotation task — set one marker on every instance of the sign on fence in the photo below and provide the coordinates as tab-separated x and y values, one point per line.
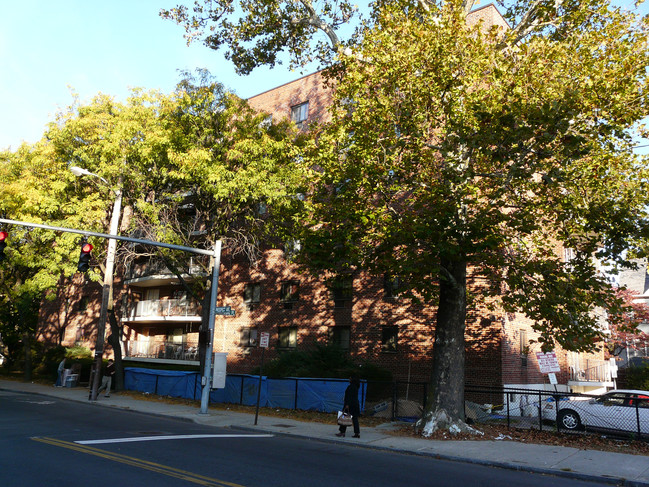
548	362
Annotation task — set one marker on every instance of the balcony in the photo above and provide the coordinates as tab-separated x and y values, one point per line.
144	349
590	372
154	310
155	273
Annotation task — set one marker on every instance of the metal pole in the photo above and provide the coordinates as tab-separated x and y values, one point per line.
207	371
106	294
261	371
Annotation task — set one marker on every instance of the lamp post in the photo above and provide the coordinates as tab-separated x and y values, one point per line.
107	289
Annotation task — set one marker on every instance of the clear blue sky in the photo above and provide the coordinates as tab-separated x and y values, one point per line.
48	47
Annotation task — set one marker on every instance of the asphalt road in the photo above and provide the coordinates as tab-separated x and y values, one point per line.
48	442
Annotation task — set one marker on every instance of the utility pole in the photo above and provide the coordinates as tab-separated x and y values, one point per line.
106	294
206	381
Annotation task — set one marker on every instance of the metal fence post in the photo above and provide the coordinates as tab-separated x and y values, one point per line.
425	394
394	400
297	385
540	413
507	396
637	418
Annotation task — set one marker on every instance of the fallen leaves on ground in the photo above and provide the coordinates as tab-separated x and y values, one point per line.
579	440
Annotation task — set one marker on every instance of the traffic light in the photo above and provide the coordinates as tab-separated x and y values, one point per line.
3	244
84	257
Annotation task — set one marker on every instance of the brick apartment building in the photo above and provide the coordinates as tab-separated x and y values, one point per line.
364	316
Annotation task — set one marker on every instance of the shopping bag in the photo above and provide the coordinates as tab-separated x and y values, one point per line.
344	419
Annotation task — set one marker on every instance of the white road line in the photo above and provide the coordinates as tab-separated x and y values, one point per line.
171	437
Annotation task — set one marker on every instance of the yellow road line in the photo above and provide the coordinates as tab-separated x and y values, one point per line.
136	462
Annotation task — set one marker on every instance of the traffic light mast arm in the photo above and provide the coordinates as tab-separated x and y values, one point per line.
214	253
109	236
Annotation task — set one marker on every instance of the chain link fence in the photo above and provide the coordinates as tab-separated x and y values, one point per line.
619	413
623	413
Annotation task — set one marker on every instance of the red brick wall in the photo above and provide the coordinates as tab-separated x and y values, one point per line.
314	313
278	101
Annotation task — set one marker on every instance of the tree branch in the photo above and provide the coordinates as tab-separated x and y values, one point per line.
314	21
530	21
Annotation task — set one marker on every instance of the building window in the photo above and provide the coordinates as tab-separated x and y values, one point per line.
299	114
392	285
568	254
83	303
289	293
340	336
292	248
248	337
342	291
252	295
524	347
287	338
266	122
389	338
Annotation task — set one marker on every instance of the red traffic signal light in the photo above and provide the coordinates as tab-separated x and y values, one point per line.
3	244
84	257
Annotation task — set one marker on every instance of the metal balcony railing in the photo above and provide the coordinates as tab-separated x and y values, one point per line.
161	350
164	307
591	371
158	267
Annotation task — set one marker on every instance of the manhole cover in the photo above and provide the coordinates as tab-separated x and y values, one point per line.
284	425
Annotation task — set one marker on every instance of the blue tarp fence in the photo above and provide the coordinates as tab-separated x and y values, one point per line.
324	395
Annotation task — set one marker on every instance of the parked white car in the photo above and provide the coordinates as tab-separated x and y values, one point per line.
622	410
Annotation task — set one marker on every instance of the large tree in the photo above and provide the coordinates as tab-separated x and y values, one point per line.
192	167
33	189
457	151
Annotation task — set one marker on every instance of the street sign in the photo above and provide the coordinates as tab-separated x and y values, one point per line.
265	338
224	311
548	362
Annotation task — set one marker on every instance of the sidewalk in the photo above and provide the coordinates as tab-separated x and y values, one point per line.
608	467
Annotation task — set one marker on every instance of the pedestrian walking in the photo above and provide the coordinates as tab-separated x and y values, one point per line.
351	406
59	374
107	378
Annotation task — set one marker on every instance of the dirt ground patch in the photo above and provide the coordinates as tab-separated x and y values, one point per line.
580	440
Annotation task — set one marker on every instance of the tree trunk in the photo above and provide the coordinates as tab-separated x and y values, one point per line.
27	344
446	394
114	341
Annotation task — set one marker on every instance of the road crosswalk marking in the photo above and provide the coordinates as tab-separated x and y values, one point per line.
164	437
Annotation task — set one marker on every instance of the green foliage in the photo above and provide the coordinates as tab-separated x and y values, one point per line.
257	32
637	378
78	352
321	362
449	145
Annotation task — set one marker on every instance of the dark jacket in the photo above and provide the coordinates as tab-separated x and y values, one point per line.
350	403
109	371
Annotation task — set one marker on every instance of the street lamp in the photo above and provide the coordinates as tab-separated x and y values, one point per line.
107	289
